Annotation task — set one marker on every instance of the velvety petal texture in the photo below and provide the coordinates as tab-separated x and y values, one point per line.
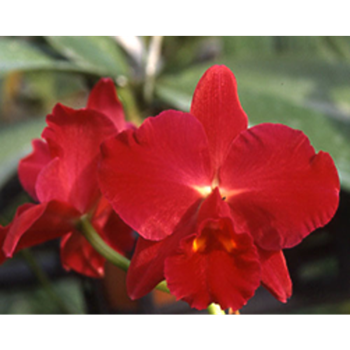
203	261
79	255
279	190
35	224
215	264
214	202
30	166
74	138
61	174
104	99
147	264
216	105
274	274
153	175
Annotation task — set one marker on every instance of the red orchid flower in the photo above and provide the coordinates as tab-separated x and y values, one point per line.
61	174
214	202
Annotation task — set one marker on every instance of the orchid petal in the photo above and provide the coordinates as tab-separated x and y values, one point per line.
278	189
214	265
104	99
30	166
35	224
153	175
78	254
274	274
112	229
74	139
3	234
216	105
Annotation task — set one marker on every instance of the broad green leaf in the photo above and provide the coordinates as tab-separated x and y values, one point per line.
310	95
15	142
248	45
19	55
100	53
325	47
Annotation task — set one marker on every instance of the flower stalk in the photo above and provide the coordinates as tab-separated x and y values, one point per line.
85	227
100	246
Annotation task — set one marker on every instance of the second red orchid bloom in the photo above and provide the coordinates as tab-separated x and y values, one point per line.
214	202
61	174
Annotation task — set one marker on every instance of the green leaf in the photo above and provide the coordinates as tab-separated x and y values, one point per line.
309	95
15	142
99	53
325	47
19	55
248	45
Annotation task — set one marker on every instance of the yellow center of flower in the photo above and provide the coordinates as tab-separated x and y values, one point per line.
204	190
225	193
214	236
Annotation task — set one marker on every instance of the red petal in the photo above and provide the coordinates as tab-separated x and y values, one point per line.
30	166
279	190
275	276
3	233
77	254
114	231
147	263
201	279
146	267
35	224
150	175
215	265
103	98
216	104
74	138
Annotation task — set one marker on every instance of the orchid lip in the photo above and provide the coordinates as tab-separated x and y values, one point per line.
214	235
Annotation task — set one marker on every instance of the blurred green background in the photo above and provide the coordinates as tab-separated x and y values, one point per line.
303	82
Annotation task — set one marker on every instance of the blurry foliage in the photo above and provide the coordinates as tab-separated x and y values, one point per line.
35	300
303	82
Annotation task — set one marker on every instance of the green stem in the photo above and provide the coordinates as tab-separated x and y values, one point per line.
106	251
99	244
117	259
151	67
214	309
